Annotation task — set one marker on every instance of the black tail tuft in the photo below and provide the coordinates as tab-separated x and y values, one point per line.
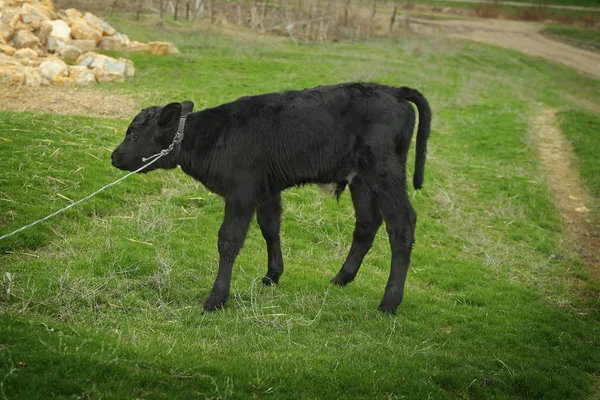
414	96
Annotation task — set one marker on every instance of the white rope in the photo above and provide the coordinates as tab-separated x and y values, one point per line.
176	140
155	158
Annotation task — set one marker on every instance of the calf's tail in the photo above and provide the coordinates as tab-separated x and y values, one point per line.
414	96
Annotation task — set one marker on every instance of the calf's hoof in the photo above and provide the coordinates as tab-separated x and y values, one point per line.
389	305
388	309
214	305
392	298
269	281
342	279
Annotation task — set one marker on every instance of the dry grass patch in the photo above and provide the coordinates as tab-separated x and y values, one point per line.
572	197
92	103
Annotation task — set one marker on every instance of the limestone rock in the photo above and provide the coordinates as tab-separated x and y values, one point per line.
33	15
137	46
96	22
27	62
111	43
117	66
25	53
83	45
27	19
59	36
52	69
32	77
83	31
7	60
117	42
83	76
158	48
60	30
6	49
46	5
62	81
9	18
129	68
62	15
11	75
103	75
73	13
30	28
24	38
14	3
120	66
53	44
124	38
21	25
173	49
90	58
69	53
44	31
108	30
32	61
39	49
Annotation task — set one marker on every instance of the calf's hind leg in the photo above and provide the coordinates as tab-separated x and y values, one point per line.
368	221
400	221
268	216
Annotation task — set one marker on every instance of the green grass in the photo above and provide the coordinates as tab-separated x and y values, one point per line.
587	38
106	300
582	129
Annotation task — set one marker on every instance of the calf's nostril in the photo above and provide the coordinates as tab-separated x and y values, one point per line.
114	157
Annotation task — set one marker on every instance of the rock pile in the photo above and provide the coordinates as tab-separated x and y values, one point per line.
39	46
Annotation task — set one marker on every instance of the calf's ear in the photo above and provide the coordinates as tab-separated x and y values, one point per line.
169	114
187	107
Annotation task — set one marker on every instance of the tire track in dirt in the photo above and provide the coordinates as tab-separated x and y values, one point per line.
577	205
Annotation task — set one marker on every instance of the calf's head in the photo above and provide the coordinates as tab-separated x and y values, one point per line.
151	131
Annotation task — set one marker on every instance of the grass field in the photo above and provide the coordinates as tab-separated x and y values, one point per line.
105	301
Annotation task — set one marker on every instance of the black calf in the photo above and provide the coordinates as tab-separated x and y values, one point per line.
248	151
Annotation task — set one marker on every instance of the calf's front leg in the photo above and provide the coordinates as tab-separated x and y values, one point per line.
232	233
268	216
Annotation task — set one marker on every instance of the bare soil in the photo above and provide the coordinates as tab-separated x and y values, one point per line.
522	36
71	101
532	4
577	205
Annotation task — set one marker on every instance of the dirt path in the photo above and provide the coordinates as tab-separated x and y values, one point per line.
517	35
517	4
570	194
